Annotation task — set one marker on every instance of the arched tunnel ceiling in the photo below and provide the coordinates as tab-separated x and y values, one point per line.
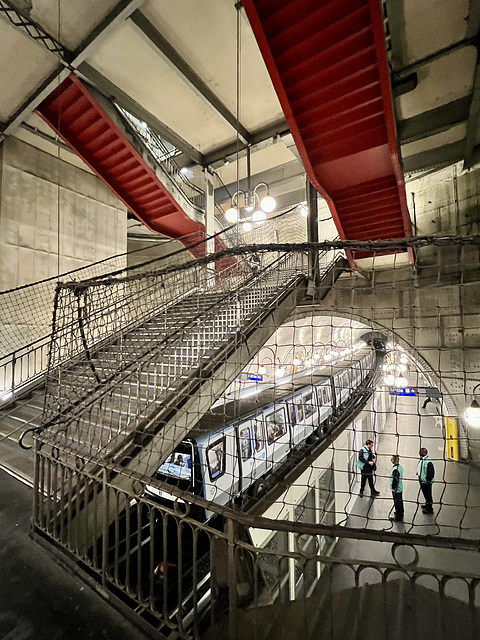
118	47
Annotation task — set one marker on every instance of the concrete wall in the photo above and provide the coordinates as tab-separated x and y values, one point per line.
54	217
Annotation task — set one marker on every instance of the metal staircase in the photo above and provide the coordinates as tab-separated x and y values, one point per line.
328	65
95	135
128	403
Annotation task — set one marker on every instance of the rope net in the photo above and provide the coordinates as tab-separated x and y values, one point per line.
242	388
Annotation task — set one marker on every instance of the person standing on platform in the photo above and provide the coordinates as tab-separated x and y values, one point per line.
396	485
366	464
426	473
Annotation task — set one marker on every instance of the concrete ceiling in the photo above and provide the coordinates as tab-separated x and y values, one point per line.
176	63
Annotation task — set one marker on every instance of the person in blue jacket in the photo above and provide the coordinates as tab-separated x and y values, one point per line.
426	473
396	485
366	464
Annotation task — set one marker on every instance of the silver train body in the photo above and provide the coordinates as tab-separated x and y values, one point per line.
235	447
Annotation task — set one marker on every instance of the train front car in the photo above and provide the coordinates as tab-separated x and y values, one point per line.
236	449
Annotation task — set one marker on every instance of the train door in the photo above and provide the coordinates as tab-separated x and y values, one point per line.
260	464
221	465
311	412
277	434
297	420
245	451
324	393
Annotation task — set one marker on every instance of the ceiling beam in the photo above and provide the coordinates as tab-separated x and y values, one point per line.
69	60
448	154
410	68
434	121
110	90
257	139
275	176
164	49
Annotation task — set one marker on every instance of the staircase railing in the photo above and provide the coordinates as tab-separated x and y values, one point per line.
26	317
89	316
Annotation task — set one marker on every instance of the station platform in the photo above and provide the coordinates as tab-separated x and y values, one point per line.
456	492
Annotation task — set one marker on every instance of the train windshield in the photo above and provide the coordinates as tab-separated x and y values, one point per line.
179	463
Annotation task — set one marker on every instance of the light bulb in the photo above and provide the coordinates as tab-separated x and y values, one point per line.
403	359
316	356
249	208
389	380
308	362
281	372
259	216
262	369
296	362
472	414
402	368
247	226
304	211
401	381
268	204
231	215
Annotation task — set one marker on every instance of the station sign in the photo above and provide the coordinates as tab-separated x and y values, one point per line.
252	377
403	391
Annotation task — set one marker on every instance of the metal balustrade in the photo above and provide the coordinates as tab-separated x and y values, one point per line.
155	330
208	580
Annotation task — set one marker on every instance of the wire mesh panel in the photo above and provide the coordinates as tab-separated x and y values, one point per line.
222	445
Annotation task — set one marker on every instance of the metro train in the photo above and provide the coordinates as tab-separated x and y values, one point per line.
237	445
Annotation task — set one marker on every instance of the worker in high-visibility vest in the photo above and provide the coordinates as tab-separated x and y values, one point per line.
426	473
396	485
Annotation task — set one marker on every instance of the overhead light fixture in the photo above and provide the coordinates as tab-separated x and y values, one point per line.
247	226
472	412
281	372
252	204
259	216
262	370
231	215
401	381
389	380
303	211
268	204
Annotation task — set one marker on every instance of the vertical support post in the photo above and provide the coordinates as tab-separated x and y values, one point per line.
232	581
105	523
210	225
312	236
14	362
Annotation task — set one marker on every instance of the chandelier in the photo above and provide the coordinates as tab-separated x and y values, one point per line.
254	208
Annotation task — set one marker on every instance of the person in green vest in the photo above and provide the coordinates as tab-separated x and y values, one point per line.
426	473
366	463
396	485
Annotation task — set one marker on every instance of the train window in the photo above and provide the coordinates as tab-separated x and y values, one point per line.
245	441
259	435
300	410
309	404
276	426
216	459
328	395
179	463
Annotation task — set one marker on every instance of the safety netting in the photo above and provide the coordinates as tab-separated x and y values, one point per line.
277	398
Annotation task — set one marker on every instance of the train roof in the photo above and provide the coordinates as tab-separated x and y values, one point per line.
253	403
